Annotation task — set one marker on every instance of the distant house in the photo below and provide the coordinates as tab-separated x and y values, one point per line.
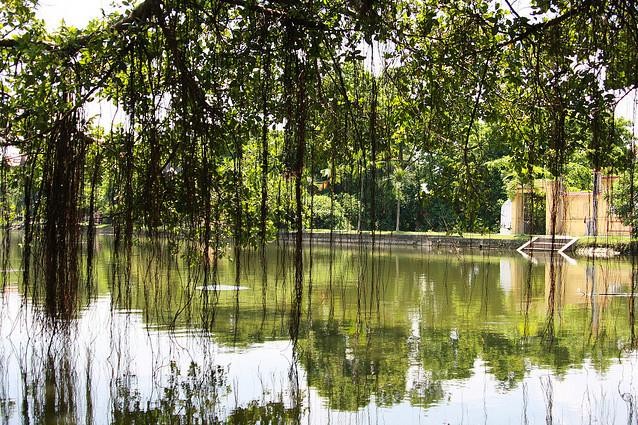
530	211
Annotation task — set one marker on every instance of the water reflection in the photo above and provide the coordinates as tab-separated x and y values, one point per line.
398	336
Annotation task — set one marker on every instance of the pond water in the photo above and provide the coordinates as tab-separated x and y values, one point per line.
401	336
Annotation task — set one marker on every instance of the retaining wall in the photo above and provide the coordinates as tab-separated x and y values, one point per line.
408	240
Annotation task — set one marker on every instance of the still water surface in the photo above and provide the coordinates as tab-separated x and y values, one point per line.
398	337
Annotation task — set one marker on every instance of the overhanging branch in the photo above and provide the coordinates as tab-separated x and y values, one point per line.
141	13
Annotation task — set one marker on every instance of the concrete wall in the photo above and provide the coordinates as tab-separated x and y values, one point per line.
574	211
579	217
386	240
517	214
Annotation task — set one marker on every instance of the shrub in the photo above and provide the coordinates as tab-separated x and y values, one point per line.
324	218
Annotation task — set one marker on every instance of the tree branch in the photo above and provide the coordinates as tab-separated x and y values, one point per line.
141	13
541	26
145	10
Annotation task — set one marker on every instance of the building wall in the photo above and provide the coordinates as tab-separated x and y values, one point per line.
555	200
579	212
517	214
574	211
506	218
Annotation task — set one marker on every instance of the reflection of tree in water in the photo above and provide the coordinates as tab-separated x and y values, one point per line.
193	395
50	383
348	369
445	357
349	372
463	316
196	395
59	389
266	413
464	296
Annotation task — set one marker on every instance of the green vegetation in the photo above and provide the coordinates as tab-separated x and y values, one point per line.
239	120
235	118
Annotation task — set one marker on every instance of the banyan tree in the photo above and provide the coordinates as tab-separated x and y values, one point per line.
228	113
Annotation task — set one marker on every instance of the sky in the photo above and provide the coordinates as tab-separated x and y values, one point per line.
73	12
79	12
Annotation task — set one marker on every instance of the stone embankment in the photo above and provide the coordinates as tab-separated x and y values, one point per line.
415	240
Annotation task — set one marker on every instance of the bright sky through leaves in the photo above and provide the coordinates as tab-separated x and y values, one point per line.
79	12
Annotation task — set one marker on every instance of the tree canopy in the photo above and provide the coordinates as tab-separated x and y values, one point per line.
237	114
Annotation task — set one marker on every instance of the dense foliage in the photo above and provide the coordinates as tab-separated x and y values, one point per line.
234	114
238	120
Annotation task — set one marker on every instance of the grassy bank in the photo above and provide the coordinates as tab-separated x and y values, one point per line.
623	244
